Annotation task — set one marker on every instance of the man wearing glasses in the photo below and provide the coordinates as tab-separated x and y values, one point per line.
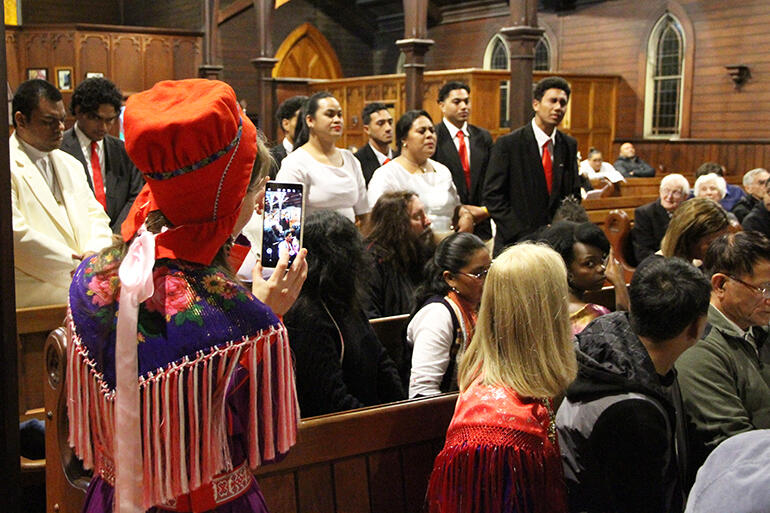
56	220
110	173
725	377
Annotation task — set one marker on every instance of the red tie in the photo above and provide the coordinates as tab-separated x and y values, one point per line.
463	151
387	159
548	167
96	169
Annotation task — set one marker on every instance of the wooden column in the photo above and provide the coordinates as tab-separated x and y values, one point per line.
264	64
522	37
9	381
415	45
211	68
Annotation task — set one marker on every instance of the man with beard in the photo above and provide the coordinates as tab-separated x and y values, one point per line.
378	127
400	241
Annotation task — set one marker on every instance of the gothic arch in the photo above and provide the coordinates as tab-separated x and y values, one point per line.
307	53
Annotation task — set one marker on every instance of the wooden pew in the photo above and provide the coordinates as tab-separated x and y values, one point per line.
598	209
372	460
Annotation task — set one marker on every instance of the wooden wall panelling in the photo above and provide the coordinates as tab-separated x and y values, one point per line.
350	491
354	103
15	74
486	112
417	464
187	57
316	490
159	56
37	52
94	53
280	492
127	62
386	482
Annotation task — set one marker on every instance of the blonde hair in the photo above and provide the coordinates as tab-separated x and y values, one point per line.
695	219
523	338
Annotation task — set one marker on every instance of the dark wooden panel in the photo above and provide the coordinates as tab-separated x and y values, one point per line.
386	482
160	58
417	465
127	62
280	492
316	490
350	490
94	49
187	57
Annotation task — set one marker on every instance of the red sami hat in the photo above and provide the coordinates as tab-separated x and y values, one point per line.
196	151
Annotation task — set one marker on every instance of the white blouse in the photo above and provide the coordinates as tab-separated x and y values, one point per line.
436	190
327	187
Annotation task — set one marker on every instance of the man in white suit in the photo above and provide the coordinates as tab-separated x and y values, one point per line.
56	219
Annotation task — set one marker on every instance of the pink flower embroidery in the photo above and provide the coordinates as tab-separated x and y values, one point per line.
172	294
102	289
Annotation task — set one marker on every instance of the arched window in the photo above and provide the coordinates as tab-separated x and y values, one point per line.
542	55
665	65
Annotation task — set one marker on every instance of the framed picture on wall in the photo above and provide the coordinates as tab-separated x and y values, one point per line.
94	74
41	73
63	78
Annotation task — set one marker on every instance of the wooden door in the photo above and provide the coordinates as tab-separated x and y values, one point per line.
306	53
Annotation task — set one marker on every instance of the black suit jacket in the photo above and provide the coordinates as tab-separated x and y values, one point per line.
515	191
650	225
123	180
278	152
446	153
368	160
758	219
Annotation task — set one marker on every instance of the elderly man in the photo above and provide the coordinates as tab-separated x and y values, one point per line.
378	128
620	425
754	182
112	176
759	217
630	165
725	377
56	218
651	220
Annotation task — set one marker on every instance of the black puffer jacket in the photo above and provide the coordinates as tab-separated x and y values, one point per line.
618	426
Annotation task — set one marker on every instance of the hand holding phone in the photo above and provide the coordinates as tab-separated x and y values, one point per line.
281	290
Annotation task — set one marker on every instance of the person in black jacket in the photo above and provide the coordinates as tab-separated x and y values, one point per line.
400	241
621	428
378	128
630	165
115	180
754	183
651	220
286	115
532	169
759	217
339	362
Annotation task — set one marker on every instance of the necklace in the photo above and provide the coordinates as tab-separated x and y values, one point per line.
551	419
417	168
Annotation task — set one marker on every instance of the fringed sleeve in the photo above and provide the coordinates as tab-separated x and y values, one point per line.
183	412
491	469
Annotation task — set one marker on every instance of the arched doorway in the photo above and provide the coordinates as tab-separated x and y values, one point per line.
306	53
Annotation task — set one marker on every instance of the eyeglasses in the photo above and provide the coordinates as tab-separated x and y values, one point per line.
764	291
479	275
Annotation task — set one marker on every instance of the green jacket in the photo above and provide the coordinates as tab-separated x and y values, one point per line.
725	385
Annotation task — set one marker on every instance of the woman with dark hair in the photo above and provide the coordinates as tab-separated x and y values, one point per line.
414	170
400	241
588	257
332	176
442	327
340	363
168	354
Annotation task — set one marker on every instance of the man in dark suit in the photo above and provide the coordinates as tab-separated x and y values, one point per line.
651	220
287	114
378	127
463	148
532	169
96	104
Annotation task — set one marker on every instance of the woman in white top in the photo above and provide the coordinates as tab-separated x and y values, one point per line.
414	170
332	176
447	305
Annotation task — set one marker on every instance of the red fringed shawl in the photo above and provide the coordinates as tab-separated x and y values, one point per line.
500	455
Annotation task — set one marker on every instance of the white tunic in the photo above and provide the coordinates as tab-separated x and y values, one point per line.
436	190
327	187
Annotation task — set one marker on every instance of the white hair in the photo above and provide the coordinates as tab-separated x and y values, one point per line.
750	176
676	180
714	178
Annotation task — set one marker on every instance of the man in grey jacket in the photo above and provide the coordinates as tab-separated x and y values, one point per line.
725	377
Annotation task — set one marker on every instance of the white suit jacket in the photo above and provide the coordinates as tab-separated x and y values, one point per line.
43	239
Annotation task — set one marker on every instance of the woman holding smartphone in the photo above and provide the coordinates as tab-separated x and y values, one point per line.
332	176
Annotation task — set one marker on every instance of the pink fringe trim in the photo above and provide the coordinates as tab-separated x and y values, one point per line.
184	428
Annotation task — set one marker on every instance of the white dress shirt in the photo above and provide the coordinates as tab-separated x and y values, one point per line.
453	132
381	157
541	138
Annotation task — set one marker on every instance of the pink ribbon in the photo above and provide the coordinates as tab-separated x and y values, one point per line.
136	286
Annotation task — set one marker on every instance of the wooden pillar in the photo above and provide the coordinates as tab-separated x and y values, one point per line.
415	45
210	68
522	37
9	381
264	64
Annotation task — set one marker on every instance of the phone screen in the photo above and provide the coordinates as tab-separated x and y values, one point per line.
283	222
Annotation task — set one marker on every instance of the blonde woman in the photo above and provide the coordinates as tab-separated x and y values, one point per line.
501	453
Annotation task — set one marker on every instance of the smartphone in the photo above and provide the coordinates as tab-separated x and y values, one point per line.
282	222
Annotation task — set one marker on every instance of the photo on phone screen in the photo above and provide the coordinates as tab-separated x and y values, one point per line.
284	219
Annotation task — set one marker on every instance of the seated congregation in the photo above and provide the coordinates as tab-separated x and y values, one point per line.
486	255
